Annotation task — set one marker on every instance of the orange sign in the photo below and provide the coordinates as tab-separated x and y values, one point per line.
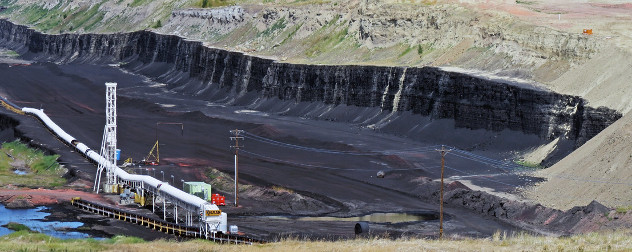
213	212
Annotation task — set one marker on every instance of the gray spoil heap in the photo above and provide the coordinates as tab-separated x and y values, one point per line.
189	67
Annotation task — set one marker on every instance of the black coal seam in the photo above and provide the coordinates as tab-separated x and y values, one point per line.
472	102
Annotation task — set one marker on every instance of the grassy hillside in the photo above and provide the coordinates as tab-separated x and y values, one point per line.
300	31
91	15
111	16
617	241
34	168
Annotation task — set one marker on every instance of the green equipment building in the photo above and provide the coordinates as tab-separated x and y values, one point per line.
200	189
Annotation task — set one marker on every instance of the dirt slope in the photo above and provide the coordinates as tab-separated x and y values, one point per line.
603	80
598	170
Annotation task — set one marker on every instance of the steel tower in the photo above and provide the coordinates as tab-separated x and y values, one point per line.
108	144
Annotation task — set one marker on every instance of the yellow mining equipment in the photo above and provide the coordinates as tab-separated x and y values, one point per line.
153	158
72	201
117	188
139	199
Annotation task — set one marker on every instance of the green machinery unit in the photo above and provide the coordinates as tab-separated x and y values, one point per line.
200	189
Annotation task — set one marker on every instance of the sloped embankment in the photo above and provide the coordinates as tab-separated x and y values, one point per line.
599	170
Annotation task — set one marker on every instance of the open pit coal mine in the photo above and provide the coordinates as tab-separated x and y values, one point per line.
349	108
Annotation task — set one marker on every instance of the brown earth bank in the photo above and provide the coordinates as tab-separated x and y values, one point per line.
28	198
57	202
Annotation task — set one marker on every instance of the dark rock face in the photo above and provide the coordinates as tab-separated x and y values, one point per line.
190	67
529	216
7	128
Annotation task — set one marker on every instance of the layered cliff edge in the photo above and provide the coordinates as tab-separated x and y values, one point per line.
375	95
533	40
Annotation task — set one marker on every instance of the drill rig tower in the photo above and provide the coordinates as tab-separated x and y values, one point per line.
108	144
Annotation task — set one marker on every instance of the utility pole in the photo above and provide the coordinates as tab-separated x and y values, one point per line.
236	137
443	152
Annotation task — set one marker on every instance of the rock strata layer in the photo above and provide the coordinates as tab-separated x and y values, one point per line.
191	68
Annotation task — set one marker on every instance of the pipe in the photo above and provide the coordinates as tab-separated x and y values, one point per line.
157	185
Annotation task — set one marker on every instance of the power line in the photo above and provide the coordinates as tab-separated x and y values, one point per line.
300	164
326	167
454	151
487	159
507	166
461	153
480	161
596	181
464	154
481	176
352	169
372	153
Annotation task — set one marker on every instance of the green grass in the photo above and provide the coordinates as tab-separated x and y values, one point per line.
305	2
623	209
420	49
42	170
124	239
87	18
603	241
35	159
34	13
524	2
212	3
10	53
158	24
408	49
32	241
529	164
278	25
51	18
17	227
289	36
60	17
137	3
332	34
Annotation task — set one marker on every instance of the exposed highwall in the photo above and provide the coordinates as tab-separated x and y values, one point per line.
213	74
7	128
